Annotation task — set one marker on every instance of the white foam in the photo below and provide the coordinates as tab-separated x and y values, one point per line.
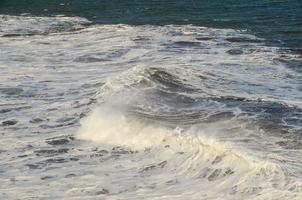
193	155
109	126
65	70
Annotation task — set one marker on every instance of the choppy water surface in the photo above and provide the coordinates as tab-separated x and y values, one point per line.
146	112
278	21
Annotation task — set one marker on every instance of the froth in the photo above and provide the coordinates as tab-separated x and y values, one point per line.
192	155
107	125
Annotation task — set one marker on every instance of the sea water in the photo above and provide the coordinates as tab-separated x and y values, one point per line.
150	100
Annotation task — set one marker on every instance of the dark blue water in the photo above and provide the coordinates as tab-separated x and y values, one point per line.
278	21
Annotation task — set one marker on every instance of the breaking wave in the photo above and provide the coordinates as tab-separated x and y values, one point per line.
165	112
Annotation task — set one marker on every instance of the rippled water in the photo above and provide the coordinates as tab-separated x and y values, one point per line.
92	111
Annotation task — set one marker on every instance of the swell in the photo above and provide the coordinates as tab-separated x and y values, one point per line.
168	97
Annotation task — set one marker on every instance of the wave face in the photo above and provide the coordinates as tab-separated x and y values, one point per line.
146	112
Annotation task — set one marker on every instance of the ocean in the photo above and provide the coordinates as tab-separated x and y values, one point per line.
183	99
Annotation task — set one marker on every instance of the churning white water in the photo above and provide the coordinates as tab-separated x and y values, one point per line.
146	112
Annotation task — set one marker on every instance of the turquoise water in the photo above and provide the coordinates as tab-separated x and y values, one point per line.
278	21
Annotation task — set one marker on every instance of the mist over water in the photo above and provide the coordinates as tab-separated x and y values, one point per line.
150	100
